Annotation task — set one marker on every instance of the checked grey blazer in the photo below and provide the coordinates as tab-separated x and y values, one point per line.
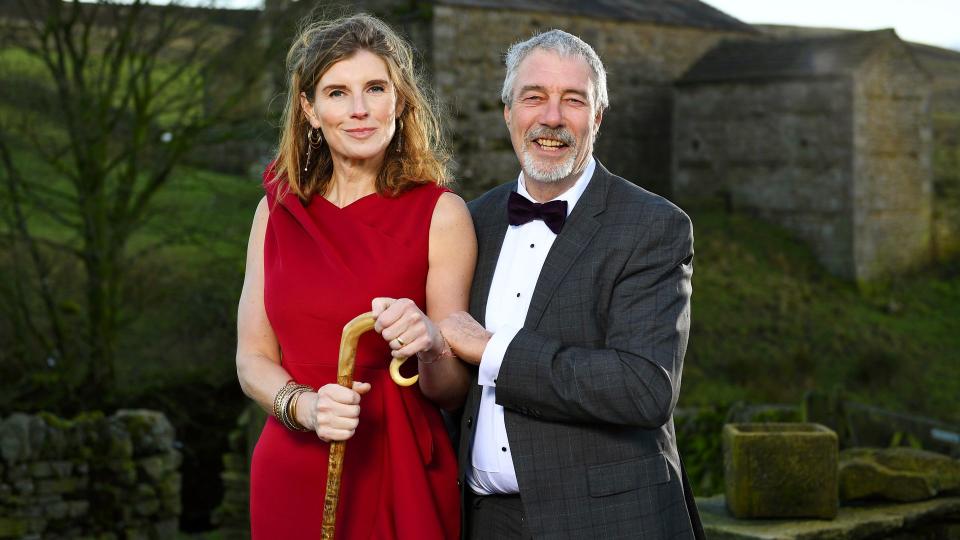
590	383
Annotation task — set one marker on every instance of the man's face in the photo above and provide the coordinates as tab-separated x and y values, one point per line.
552	121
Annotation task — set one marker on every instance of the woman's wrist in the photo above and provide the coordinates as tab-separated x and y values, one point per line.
436	353
305	405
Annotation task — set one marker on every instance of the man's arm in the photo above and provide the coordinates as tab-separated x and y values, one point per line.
635	378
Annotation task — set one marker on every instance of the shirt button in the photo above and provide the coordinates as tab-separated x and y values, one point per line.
531	245
494	380
503	448
518	295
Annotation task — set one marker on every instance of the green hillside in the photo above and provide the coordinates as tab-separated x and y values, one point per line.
769	324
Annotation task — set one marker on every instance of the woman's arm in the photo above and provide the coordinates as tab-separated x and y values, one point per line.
332	413
453	254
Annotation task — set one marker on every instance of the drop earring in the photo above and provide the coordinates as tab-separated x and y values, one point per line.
399	135
314	140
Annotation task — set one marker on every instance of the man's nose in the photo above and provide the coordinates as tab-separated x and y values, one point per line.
552	115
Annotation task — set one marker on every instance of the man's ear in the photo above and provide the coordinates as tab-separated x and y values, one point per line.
597	118
506	114
307	108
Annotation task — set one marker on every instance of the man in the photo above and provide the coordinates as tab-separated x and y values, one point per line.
580	311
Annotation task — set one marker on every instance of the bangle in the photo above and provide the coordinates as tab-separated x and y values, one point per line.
445	351
291	408
282	405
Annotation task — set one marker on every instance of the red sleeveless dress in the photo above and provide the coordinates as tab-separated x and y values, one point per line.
323	265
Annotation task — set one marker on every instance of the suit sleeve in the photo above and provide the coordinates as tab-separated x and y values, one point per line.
635	378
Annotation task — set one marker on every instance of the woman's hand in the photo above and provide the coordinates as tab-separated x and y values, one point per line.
407	329
333	412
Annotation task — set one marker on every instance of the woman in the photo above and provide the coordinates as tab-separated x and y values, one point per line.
354	216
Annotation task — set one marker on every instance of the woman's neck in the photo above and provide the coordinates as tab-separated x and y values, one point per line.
352	180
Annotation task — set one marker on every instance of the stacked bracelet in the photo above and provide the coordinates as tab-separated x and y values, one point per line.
285	405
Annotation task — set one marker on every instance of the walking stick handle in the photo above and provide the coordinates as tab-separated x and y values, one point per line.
345	367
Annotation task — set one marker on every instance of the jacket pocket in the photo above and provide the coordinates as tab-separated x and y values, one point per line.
621	476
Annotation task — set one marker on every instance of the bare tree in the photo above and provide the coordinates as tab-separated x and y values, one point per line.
125	92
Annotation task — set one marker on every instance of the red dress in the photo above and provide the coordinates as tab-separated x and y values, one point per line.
323	265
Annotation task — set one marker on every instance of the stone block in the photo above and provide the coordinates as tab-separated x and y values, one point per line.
234	462
147	507
150	431
40	469
24	486
898	474
19	471
780	470
13	527
167	528
78	508
56	510
15	438
169	486
56	486
152	468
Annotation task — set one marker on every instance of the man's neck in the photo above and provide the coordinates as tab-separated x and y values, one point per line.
547	191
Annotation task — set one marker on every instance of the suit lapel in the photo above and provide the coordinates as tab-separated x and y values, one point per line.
491	230
576	235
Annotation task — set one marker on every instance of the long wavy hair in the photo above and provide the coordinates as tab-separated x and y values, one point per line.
421	157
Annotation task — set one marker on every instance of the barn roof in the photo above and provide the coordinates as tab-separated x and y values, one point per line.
790	57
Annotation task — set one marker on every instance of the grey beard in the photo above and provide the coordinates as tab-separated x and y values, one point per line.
546	174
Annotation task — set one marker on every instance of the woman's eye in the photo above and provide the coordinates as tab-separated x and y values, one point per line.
336	93
378	88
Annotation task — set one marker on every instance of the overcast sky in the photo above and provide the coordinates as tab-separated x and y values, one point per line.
936	22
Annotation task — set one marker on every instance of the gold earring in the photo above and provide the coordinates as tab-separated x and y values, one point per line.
311	143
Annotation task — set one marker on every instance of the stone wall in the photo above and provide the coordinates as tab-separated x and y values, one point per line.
93	476
642	61
233	515
892	165
781	148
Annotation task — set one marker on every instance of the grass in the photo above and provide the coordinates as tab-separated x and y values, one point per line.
769	324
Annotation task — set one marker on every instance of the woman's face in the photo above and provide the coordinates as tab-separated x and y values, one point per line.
355	105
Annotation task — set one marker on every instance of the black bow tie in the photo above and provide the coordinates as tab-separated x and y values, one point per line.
522	210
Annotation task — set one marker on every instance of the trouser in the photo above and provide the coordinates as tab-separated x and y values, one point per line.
496	517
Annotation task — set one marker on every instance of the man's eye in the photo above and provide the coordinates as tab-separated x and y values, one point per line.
532	98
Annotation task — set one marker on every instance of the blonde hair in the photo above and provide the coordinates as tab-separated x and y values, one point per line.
420	158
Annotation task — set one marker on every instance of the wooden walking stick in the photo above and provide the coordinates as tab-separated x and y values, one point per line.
345	364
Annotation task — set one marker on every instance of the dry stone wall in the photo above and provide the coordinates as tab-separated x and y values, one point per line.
90	477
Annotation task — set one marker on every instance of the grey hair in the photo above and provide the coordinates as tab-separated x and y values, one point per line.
566	45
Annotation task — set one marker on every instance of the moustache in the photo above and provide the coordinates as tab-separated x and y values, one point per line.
559	134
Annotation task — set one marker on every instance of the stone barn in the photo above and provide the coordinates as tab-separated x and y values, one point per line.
826	136
645	45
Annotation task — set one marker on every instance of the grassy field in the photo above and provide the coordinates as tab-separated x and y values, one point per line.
769	324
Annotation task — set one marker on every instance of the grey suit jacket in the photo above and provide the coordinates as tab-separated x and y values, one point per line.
590	383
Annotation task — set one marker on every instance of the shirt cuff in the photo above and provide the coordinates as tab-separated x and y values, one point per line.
493	355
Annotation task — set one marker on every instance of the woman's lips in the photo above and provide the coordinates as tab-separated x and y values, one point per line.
360	133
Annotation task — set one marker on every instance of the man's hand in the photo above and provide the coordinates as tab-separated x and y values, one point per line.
466	337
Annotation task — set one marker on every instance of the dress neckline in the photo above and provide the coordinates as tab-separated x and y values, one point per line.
327	202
